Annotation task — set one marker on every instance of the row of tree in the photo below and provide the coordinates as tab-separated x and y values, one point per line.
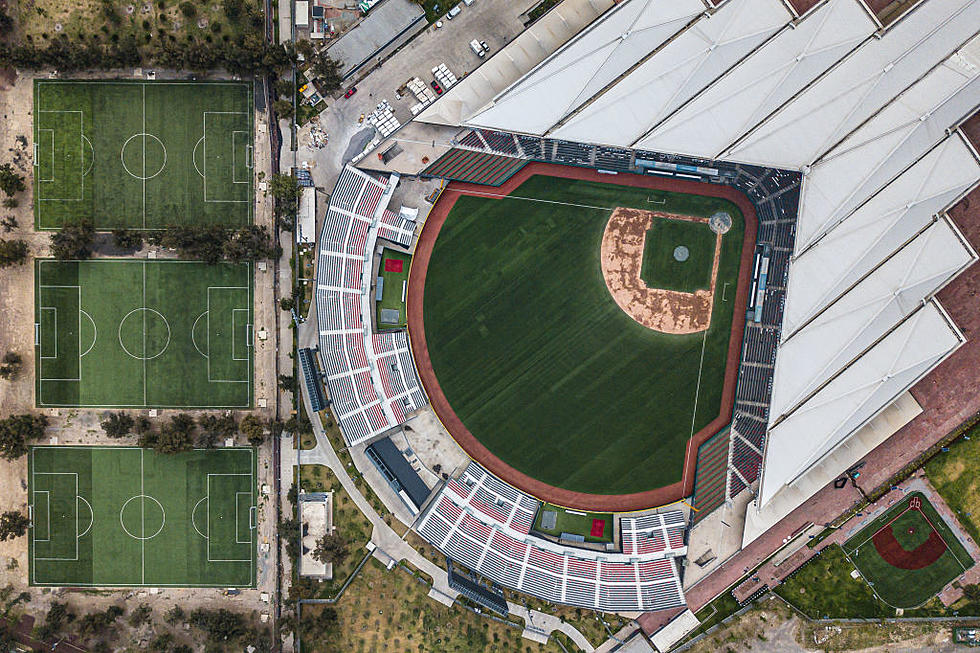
183	432
208	243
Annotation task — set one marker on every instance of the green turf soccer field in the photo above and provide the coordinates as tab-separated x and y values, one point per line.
142	155
143	333
122	516
540	363
919	539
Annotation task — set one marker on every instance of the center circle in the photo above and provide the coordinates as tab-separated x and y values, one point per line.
143	156
144	333
681	253
142	517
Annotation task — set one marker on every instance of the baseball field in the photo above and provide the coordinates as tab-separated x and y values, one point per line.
538	360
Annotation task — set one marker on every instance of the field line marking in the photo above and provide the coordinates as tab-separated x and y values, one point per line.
249	475
75	475
41	130
951	533
143	302
55	309
535	199
143	88
142	524
47	511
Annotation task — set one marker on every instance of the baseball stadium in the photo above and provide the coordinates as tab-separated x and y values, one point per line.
687	270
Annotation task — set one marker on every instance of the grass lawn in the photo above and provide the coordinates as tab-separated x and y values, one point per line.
124	516
823	588
541	364
347	518
390	612
394	285
907	588
573	522
142	155
662	270
143	333
953	474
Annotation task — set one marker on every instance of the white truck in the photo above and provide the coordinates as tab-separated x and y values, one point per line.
477	48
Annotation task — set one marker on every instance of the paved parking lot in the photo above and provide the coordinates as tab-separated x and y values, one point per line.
494	21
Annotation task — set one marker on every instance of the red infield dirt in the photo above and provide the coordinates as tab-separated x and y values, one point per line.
918	558
473	447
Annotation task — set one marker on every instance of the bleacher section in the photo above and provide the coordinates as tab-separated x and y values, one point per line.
483	523
487	168
371	377
776	196
710	475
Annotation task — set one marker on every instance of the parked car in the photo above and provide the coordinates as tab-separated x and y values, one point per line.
435	87
454	12
486	48
350	91
468	2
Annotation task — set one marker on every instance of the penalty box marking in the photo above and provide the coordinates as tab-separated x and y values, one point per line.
237	515
204	149
79	334
35	473
81	150
210	379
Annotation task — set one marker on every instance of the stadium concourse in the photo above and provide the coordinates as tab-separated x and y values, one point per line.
848	131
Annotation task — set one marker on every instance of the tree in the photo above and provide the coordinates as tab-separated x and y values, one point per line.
972	592
204	243
287	382
287	303
11	365
126	239
214	428
17	430
253	429
329	72
283	109
176	435
141	615
189	9
250	243
58	615
219	625
233	9
10	182
13	524
284	87
12	252
6	23
286	191
118	425
306	49
9	223
332	548
10	203
73	241
175	615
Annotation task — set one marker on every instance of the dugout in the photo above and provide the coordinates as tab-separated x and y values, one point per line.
402	478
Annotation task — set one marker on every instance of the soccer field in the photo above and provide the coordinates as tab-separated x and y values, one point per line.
124	516
142	155
143	333
540	363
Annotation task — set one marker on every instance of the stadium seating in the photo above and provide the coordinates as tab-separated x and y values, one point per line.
371	377
482	523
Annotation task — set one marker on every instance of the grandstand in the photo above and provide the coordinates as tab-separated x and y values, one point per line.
484	524
371	376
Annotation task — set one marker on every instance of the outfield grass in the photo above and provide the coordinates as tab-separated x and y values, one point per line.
661	270
907	588
143	333
823	588
142	155
572	522
391	294
540	363
124	516
953	474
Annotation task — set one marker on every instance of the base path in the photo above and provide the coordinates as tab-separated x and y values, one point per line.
621	259
473	447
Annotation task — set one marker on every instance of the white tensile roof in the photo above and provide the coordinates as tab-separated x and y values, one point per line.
856	395
617	42
763	82
869	115
676	73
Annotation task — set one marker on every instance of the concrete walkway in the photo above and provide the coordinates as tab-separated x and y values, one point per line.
389	545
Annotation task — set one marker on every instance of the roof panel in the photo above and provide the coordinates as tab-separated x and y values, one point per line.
856	395
879	227
820	116
763	81
854	322
676	73
884	146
